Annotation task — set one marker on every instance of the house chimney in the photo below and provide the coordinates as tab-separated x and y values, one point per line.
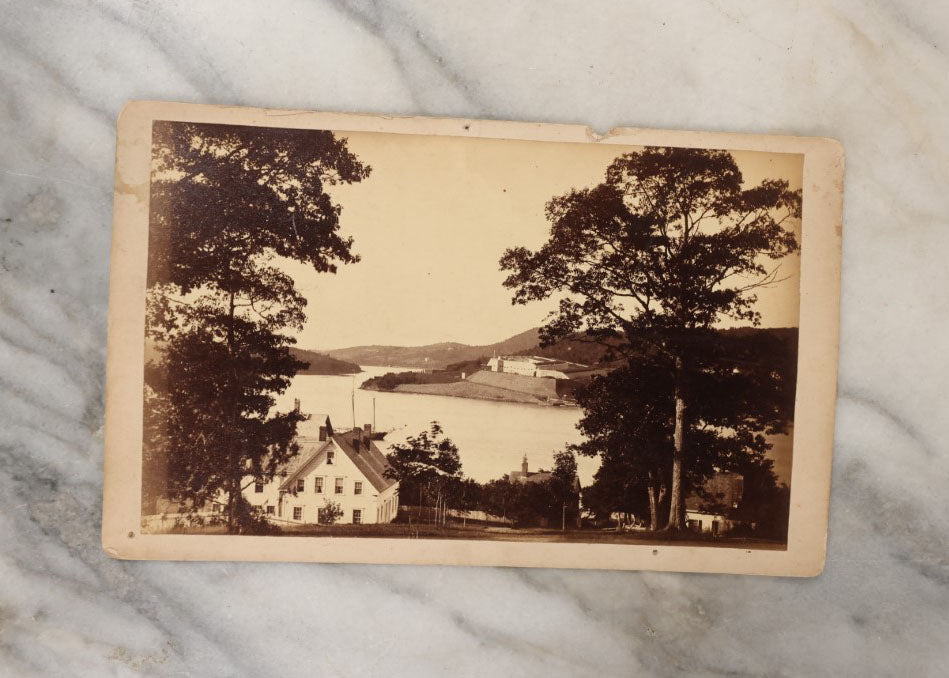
296	404
524	465
367	432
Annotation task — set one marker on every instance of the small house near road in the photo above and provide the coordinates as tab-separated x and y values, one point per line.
715	509
526	476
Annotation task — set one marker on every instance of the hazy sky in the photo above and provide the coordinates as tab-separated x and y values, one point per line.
434	217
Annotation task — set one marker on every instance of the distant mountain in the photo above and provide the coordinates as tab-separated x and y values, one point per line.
433	356
320	363
573	350
445	354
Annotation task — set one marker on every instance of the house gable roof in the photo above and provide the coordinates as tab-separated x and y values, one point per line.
303	461
531	476
368	459
720	492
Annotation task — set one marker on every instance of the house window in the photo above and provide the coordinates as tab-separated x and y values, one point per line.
330	456
357	487
301	485
318	485
258	487
270	510
357	516
339	486
298	513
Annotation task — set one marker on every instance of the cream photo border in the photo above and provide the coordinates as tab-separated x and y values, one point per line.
122	536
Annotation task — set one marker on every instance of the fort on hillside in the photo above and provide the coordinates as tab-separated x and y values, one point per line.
531	380
533	366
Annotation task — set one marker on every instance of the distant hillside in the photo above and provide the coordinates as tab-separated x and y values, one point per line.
433	356
323	364
320	363
591	353
572	350
462	357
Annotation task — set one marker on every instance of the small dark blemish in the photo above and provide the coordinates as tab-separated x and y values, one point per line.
467	126
52	291
655	552
131	535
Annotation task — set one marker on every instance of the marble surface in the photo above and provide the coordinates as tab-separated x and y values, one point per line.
872	74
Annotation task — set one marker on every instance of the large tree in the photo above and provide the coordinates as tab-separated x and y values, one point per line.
742	390
565	485
227	204
429	464
669	245
627	422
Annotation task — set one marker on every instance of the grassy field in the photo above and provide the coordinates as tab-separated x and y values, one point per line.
467	389
478	532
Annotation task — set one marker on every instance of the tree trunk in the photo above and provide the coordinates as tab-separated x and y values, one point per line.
654	498
233	471
677	499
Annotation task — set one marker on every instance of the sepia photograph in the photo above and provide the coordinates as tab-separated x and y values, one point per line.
372	335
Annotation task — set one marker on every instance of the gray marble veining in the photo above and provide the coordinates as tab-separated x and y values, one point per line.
871	74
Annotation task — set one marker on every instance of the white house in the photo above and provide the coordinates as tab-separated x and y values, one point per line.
345	467
716	508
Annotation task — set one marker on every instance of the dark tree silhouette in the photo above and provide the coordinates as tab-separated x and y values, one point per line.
627	421
565	485
428	463
616	488
742	388
226	203
668	245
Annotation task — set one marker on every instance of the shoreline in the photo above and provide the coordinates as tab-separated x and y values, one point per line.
423	389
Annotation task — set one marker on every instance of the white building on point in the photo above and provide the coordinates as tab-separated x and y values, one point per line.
532	366
345	467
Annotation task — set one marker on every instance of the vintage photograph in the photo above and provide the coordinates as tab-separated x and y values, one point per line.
408	336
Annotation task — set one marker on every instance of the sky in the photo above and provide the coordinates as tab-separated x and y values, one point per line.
433	219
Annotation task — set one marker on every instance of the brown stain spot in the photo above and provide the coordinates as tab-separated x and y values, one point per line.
138	191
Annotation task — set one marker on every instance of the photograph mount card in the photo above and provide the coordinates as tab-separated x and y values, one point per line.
375	339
